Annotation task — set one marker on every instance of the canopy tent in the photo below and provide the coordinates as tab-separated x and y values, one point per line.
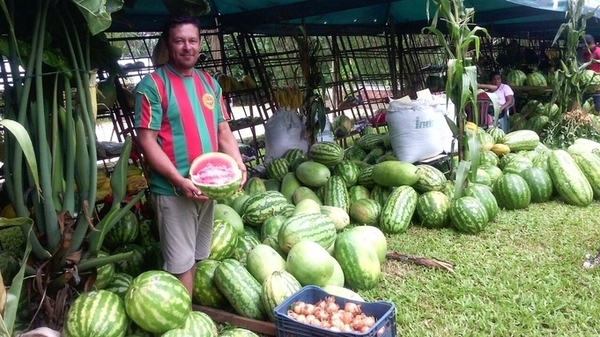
351	17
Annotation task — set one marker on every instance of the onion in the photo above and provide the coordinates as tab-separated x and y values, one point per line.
315	322
352	308
331	306
301	318
347	317
299	307
309	309
364	329
322	314
369	321
321	304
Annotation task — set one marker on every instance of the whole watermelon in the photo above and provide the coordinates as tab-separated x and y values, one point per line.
158	302
94	314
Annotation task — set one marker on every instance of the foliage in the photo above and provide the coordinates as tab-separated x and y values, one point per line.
568	86
59	182
563	132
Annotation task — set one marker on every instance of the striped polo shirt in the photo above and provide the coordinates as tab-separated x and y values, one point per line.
185	110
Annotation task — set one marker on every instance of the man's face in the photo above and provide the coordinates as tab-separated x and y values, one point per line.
184	47
496	80
592	45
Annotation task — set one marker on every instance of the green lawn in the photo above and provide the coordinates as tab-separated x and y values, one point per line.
522	276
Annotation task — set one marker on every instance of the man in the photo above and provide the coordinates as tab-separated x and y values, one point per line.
178	116
505	96
592	53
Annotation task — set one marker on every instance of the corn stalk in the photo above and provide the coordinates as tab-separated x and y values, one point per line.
462	39
49	112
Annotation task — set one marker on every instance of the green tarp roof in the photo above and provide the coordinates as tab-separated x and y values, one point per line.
502	17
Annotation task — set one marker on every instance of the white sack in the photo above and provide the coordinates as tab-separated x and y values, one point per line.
412	130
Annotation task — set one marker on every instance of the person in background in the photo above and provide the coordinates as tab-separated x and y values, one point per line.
505	96
591	53
179	115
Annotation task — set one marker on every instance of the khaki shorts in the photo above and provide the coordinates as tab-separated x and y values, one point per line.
185	228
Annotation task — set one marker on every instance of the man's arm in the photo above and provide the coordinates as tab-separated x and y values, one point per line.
228	144
160	162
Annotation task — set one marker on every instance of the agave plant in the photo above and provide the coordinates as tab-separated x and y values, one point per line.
50	106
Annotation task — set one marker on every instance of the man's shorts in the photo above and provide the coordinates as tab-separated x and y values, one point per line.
185	228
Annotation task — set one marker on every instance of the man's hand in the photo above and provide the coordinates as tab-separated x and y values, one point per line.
191	191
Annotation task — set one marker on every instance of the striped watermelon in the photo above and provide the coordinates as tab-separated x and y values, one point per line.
486	197
205	291
277	168
430	179
468	215
433	209
254	185
119	284
245	243
370	141
96	313
358	192
589	164
223	240
276	288
348	171
365	177
381	193
240	288
335	193
158	302
136	264
326	153
261	206
512	192
123	232
569	181
358	259
536	79
178	333
315	227
398	210
354	153
200	324
365	212
293	154
539	183
516	78
271	226
104	274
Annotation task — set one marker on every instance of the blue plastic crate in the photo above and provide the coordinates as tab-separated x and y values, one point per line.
384	313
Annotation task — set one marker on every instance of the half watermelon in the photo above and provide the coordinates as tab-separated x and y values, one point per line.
216	174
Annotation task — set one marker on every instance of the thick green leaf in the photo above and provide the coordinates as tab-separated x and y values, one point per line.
22	137
97	13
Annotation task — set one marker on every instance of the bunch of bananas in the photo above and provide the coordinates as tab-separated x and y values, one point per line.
288	97
231	84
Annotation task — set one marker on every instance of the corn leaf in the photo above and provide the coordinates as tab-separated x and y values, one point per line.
461	176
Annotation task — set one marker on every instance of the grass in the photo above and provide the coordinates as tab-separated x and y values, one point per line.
522	276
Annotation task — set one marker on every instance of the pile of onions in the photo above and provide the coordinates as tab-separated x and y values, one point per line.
329	315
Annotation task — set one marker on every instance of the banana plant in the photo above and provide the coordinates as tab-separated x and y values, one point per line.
461	44
52	178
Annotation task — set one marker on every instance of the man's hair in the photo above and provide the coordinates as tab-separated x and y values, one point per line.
494	74
175	21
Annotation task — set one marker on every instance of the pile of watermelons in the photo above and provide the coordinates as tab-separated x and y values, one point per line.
321	218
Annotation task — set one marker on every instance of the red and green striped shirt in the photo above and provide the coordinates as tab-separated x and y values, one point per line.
186	111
